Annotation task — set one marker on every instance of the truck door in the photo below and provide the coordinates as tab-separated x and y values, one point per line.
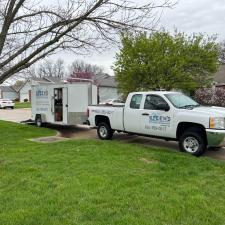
132	114
154	120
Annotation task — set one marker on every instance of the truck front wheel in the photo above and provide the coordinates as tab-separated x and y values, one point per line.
192	141
104	131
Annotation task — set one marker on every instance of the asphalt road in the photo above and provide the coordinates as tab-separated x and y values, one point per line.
84	132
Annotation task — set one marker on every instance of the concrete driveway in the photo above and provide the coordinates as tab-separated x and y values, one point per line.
84	132
15	115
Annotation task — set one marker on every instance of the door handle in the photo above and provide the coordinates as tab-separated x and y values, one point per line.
145	114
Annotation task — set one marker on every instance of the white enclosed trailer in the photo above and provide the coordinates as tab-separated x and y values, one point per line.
63	104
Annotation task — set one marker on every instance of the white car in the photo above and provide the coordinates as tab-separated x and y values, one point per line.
116	102
6	103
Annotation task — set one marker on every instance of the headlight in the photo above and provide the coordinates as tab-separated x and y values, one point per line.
217	123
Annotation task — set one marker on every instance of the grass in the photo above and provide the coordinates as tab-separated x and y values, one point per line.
20	105
91	182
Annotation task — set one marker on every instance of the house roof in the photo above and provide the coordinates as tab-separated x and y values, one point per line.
47	79
102	79
105	80
53	79
7	89
220	75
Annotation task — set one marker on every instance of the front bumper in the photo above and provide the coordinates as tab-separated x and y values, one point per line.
216	138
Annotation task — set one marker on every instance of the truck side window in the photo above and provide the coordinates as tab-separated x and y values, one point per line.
152	101
135	101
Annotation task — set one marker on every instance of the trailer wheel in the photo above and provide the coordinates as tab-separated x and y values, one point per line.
104	131
38	121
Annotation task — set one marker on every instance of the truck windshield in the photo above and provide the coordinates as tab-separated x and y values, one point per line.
182	101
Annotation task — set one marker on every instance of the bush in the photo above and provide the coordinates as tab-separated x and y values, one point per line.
16	100
25	100
211	96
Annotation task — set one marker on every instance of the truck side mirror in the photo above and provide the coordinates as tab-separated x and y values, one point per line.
163	107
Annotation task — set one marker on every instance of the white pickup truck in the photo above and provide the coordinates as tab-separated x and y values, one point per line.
166	115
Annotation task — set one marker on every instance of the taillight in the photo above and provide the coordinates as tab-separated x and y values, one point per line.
88	113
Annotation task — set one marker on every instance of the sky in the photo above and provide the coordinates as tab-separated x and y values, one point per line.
189	16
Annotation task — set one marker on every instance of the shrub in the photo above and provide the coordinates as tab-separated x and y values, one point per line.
25	100
16	100
211	96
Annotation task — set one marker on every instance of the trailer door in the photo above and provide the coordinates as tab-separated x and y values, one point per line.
65	105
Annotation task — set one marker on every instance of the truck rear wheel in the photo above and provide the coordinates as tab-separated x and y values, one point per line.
104	131
193	142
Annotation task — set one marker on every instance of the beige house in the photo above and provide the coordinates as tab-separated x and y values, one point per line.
219	79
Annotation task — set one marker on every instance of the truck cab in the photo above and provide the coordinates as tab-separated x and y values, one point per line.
166	115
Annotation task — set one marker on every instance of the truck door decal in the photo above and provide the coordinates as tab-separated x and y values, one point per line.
155	118
158	122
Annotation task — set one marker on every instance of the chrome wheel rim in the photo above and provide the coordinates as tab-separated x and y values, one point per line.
191	144
103	131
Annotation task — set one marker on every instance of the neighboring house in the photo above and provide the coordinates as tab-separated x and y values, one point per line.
219	79
24	90
8	92
107	87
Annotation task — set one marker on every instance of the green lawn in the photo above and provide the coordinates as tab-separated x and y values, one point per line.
19	105
90	182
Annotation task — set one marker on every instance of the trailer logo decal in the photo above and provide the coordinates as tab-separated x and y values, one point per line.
42	93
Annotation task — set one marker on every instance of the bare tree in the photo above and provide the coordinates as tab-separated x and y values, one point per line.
50	69
78	66
32	30
59	68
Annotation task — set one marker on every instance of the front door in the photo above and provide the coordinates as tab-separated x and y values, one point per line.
154	121
60	104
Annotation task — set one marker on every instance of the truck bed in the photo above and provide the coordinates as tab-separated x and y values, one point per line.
114	113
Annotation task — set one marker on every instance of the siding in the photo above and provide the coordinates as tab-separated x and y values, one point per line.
24	92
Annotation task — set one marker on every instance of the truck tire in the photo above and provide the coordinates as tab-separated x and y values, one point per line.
104	131
38	121
193	142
